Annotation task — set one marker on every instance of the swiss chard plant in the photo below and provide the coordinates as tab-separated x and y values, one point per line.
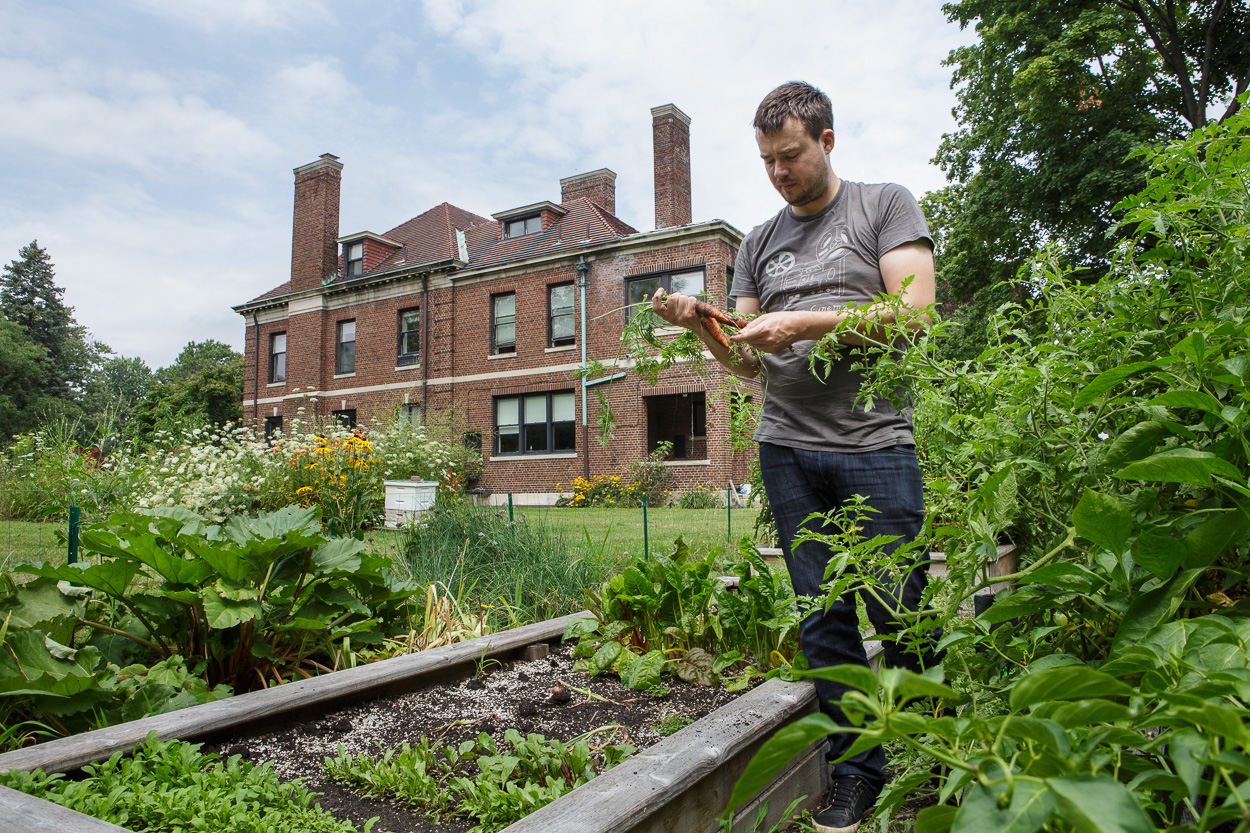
672	614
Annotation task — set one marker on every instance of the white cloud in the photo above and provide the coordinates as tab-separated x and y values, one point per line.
215	15
137	118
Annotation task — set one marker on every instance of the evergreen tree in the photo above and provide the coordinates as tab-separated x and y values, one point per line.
30	298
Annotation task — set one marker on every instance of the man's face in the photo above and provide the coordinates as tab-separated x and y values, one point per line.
798	165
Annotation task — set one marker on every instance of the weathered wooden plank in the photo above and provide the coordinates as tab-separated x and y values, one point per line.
20	813
806	779
299	698
682	783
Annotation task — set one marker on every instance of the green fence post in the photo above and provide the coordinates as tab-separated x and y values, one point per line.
510	518
729	513
73	535
646	543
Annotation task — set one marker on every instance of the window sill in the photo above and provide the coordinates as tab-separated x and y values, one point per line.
281	384
494	356
515	458
561	349
408	367
344	375
687	462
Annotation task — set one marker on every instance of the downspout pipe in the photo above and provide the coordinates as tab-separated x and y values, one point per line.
583	282
256	374
425	347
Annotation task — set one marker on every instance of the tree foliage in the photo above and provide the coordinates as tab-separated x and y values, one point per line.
203	387
48	357
1052	100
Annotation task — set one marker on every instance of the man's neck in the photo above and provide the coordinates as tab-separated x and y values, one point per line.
821	203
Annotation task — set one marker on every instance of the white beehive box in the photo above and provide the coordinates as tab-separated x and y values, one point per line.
408	500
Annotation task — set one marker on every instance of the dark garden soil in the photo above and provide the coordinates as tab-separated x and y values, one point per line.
515	695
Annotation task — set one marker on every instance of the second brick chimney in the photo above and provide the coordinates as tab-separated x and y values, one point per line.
314	252
597	186
671	146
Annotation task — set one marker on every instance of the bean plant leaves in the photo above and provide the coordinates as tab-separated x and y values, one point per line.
1208	542
936	819
1159	553
1030	806
1107	380
1153	608
1195	399
1104	520
1098	805
1067	682
1179	465
1135	443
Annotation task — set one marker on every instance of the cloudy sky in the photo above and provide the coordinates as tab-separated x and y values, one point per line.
148	144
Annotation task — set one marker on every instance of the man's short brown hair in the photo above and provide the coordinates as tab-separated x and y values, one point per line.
795	99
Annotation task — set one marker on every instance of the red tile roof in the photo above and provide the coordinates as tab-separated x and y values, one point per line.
431	237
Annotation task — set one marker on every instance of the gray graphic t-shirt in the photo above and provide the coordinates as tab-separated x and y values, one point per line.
824	262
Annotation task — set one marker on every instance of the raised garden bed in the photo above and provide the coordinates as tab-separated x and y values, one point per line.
681	783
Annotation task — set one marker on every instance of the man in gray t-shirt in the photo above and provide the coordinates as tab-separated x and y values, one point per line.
836	244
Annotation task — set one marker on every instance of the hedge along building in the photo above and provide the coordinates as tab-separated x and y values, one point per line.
491	318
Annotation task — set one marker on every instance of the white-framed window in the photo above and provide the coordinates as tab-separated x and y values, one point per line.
277	357
409	337
503	323
561	328
523	226
354	259
535	423
345	347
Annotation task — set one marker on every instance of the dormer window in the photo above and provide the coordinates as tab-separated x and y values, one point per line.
355	258
523	226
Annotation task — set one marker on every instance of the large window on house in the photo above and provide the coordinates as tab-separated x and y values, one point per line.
355	259
523	226
345	347
409	337
503	323
640	289
680	419
345	418
535	423
410	413
277	358
560	328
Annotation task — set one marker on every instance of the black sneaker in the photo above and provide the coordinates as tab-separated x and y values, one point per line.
848	801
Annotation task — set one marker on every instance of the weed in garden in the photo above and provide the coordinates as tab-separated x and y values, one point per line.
673	723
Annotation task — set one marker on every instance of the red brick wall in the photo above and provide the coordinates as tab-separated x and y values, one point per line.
597	186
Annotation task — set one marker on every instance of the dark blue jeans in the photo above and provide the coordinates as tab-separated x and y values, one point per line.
799	483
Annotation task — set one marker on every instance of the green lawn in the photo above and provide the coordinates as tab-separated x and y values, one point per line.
619	532
31	541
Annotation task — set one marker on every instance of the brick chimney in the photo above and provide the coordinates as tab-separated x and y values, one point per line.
314	253
597	186
670	130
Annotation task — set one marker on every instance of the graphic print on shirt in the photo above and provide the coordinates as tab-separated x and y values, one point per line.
822	276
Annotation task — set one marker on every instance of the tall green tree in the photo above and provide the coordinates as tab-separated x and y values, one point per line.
63	354
1053	97
203	387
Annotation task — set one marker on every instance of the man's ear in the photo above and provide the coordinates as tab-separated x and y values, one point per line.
827	140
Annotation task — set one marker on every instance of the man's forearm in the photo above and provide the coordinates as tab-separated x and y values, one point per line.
739	360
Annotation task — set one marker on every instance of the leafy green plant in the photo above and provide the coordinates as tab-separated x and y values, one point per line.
672	723
169	786
509	783
258	600
671	613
